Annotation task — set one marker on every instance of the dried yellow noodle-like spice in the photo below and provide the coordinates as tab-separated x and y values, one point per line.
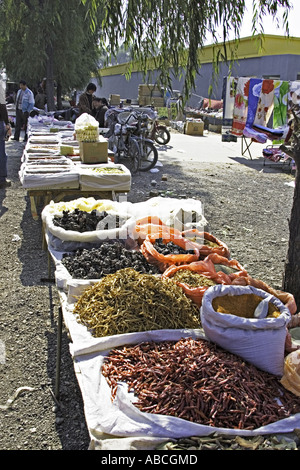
192	279
128	301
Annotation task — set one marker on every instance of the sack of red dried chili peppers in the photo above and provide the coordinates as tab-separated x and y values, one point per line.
206	243
199	382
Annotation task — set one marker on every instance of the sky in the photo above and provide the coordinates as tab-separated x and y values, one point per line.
269	24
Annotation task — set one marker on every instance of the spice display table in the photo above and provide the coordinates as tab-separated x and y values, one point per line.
121	422
53	168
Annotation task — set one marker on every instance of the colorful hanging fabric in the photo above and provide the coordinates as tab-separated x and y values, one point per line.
240	109
228	95
255	86
294	95
265	103
253	97
273	102
280	104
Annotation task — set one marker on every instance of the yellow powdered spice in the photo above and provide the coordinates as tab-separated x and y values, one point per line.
241	305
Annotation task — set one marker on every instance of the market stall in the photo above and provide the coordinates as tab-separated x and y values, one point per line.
258	110
60	162
146	301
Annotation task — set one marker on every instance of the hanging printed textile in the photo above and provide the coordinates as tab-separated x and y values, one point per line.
280	104
240	109
294	95
272	100
265	103
228	95
255	86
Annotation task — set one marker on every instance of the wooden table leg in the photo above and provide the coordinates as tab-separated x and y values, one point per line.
33	208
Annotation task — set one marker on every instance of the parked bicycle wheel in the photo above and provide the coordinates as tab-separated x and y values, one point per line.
133	158
162	136
149	156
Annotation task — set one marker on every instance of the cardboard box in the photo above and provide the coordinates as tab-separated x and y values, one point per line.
144	100
94	152
149	90
114	99
158	102
194	128
215	128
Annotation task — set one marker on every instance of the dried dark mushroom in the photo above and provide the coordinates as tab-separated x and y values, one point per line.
108	258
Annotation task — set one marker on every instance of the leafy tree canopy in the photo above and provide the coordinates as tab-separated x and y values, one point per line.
167	34
34	32
65	38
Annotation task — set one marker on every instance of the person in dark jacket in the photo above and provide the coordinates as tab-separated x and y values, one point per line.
40	99
4	130
86	99
100	106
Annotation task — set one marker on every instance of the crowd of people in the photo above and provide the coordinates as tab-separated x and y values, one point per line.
25	102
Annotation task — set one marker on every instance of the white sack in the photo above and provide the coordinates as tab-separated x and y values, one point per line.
57	180
121	418
89	178
260	341
113	208
86	128
182	214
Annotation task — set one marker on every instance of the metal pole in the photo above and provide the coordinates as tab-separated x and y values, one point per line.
58	353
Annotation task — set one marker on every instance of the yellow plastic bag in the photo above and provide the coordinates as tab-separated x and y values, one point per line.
291	373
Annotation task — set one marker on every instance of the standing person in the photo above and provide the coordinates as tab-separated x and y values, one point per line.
180	111
24	105
4	128
86	99
100	106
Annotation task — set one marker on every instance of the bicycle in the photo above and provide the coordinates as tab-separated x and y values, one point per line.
159	132
148	151
128	141
122	142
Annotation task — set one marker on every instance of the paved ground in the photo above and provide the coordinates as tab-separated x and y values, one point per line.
210	148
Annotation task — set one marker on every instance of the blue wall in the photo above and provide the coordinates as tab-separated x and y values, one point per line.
285	66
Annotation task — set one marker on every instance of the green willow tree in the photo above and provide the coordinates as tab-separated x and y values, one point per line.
167	35
51	39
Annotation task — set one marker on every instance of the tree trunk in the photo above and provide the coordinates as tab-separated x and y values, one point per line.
291	280
50	79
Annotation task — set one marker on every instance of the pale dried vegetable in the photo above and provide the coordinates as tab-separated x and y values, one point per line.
128	301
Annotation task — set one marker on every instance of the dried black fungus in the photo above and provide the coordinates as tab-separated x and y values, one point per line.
170	248
82	221
96	263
